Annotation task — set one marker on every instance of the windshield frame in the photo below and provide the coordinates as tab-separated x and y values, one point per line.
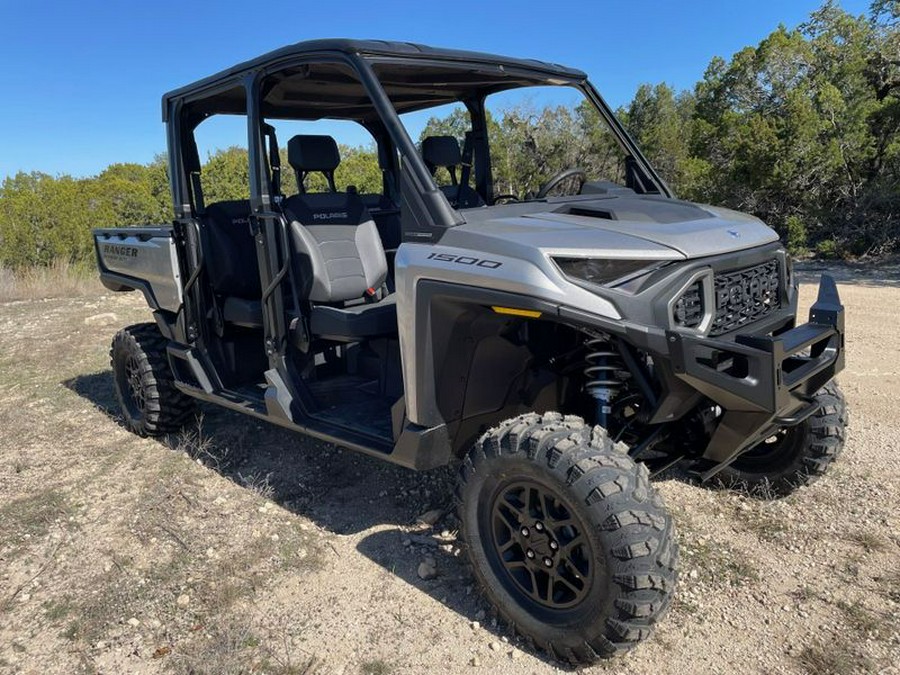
535	77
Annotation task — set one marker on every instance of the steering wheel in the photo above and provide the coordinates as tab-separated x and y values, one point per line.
506	199
561	177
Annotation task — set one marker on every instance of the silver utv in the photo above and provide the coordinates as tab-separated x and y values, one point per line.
559	347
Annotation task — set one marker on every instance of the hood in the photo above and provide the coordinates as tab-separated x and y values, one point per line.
658	227
694	231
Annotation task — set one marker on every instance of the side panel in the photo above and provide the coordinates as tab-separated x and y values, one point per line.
480	278
475	366
145	255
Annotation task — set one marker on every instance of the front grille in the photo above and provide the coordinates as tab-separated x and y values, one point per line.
740	297
747	295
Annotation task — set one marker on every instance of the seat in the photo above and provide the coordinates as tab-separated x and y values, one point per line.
337	255
357	321
230	251
229	255
443	151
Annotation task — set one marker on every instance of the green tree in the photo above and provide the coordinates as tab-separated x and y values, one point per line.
660	121
226	175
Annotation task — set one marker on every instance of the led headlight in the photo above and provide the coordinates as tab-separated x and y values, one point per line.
597	270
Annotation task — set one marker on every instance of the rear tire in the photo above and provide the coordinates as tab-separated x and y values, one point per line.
796	456
567	537
145	389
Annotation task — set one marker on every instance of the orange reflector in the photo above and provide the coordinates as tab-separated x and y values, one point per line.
530	313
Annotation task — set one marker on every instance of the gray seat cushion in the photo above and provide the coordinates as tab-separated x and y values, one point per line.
350	323
346	324
337	251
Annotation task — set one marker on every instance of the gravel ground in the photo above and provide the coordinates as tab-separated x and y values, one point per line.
239	547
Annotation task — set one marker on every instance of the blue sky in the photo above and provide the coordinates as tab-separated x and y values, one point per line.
81	81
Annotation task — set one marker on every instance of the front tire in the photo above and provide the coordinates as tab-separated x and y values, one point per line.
566	535
795	456
145	389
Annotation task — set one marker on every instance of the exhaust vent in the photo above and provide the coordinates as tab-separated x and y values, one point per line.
590	213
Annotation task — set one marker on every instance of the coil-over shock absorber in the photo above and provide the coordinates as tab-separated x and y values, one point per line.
603	375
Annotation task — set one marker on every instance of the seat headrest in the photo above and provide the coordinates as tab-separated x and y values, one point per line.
441	151
313	153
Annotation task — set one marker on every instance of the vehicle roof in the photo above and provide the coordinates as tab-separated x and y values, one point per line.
376	48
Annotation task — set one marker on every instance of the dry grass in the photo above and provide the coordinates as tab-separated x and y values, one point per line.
833	658
58	280
377	667
860	618
29	518
869	541
890	586
718	561
765	523
709	566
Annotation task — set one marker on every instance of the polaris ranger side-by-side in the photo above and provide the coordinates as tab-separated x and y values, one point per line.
561	344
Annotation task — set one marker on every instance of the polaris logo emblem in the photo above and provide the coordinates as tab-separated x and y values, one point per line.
334	215
734	234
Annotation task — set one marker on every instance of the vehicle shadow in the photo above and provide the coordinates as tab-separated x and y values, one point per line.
343	492
97	388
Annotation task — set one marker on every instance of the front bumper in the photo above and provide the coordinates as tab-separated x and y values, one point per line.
763	382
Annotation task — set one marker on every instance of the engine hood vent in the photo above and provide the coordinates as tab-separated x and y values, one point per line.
589	212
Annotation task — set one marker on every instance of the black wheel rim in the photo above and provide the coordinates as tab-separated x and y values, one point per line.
131	386
540	545
779	449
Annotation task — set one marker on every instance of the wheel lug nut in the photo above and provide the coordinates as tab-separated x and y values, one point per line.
548	562
525	532
554	546
529	553
539	527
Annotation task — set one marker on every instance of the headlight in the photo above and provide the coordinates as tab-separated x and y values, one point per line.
599	271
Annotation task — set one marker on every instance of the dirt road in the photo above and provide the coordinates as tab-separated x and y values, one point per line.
238	547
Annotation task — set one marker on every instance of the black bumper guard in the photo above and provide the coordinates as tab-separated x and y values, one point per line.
762	382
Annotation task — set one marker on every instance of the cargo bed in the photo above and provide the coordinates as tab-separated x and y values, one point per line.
141	258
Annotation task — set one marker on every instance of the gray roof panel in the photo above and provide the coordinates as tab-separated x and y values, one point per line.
375	48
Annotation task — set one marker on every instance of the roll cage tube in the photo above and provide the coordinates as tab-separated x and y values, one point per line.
625	140
441	213
181	200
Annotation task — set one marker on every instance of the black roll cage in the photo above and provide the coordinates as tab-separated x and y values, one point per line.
180	131
426	212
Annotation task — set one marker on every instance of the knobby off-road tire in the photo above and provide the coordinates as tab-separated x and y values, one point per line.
796	456
150	403
600	537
